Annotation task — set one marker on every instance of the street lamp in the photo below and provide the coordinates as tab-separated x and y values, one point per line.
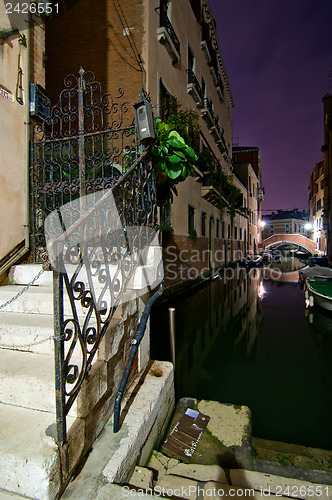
144	120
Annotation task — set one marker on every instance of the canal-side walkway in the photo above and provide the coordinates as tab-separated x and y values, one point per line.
219	461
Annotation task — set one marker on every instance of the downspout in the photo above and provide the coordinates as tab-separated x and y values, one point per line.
27	143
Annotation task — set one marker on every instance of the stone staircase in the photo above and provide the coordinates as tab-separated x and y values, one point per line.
29	460
29	456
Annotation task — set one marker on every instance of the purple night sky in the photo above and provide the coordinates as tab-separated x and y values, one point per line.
278	57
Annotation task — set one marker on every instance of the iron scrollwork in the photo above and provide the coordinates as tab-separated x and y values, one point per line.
94	205
82	147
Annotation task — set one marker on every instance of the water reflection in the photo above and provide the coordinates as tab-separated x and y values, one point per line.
244	339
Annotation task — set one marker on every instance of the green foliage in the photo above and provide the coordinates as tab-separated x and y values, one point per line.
171	156
227	190
170	153
193	234
234	197
167	232
207	162
184	121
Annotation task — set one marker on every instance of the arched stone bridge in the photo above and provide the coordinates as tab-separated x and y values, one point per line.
296	239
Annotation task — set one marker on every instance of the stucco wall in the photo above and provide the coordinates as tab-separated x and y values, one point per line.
13	157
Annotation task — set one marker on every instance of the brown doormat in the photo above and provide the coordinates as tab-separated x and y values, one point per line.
184	437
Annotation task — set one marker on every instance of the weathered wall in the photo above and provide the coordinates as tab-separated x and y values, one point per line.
13	157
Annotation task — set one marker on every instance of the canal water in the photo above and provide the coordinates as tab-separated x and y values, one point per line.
247	339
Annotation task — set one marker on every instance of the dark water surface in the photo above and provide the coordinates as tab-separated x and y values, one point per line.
249	341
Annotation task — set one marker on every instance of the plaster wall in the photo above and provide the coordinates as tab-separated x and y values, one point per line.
13	157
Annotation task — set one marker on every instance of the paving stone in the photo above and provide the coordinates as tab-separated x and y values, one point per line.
6	495
290	487
177	487
141	478
229	423
200	472
162	464
217	490
115	492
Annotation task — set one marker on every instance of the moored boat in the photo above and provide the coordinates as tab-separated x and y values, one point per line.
314	273
251	261
319	293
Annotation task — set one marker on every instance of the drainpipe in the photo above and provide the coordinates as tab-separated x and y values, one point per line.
27	142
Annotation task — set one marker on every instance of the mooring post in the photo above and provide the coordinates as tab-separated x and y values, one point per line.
171	312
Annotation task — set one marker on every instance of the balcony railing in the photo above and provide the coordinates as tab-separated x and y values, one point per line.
207	111
194	88
206	42
167	36
222	142
220	87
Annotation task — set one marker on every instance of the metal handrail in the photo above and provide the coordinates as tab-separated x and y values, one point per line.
140	330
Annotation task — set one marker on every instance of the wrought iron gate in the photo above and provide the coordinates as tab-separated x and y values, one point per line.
84	146
94	193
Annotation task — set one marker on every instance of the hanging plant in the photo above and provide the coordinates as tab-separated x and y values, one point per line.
234	197
170	153
172	158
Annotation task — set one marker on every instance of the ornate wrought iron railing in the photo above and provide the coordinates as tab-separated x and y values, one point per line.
166	23
193	79
95	261
94	206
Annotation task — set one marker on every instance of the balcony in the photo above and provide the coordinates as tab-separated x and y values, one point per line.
206	42
207	112
222	143
215	129
214	67
220	87
211	194
167	36
261	193
194	88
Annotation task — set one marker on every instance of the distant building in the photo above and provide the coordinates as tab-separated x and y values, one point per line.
316	207
247	175
327	151
285	222
248	167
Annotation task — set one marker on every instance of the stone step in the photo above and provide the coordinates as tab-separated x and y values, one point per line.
23	274
29	462
192	481
292	454
26	332
35	300
6	495
278	485
28	380
143	276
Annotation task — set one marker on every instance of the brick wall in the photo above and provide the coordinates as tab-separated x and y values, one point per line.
37	50
80	38
185	258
